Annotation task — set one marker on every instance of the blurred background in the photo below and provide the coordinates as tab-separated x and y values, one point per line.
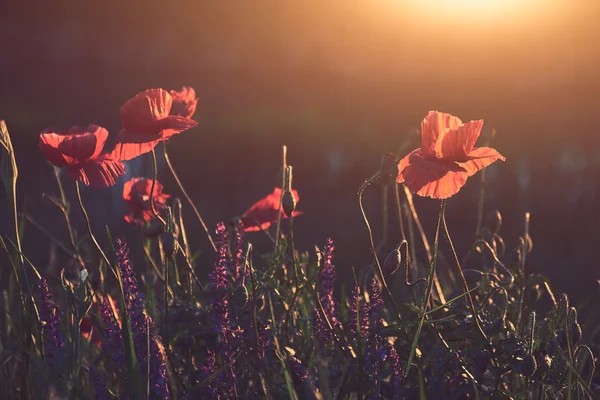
339	83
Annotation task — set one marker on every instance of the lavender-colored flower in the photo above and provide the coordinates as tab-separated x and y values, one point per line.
158	369
142	326
99	385
134	300
327	277
210	389
299	369
50	316
220	283
355	304
112	332
238	257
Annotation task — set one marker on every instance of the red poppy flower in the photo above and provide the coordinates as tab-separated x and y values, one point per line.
136	193
447	156
184	102
85	327
147	120
264	212
79	149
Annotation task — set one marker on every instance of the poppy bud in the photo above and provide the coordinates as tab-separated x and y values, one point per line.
392	262
388	161
170	245
529	365
473	276
574	327
288	203
494	221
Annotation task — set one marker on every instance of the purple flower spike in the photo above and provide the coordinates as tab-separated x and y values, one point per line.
327	279
50	316
99	385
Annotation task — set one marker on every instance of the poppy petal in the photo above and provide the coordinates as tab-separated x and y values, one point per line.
136	194
433	128
173	125
141	113
100	172
432	178
253	225
265	211
480	158
456	144
73	146
130	145
184	102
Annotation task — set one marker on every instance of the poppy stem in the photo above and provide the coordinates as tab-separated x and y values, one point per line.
65	210
372	244
283	172
155	172
427	294
210	239
436	283
462	278
384	222
89	226
399	210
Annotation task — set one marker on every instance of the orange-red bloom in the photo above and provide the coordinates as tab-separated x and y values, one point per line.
264	212
184	102
148	119
85	327
136	193
447	156
79	149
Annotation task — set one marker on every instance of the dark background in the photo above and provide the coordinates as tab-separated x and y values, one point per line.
339	83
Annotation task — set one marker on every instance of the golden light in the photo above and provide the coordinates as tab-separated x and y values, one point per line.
477	12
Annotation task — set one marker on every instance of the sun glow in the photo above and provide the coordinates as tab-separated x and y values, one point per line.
480	11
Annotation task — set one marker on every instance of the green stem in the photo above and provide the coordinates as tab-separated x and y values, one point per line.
385	212
427	293
65	211
438	288
283	172
372	244
463	280
188	198
166	274
399	210
155	173
89	226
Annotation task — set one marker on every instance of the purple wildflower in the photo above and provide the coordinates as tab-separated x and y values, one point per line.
210	389
299	369
158	369
99	385
220	283
112	332
221	310
238	256
327	278
134	300
50	316
141	326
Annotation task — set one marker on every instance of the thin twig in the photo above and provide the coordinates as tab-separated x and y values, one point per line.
89	226
438	288
210	239
155	172
283	168
463	280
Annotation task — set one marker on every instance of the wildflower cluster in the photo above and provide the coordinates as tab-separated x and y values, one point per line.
279	324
